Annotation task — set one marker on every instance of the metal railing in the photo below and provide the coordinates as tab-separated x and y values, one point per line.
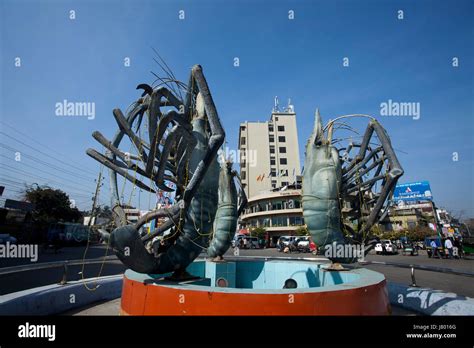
412	268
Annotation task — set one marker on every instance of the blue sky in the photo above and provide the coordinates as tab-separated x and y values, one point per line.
405	60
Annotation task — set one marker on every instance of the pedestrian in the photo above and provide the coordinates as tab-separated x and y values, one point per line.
449	245
245	243
434	249
458	245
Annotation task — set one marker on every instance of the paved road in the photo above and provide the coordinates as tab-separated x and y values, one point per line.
66	253
31	279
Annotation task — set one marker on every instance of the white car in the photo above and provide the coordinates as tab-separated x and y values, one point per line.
303	242
286	240
385	247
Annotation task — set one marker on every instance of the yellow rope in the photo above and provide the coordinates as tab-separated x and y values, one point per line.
88	239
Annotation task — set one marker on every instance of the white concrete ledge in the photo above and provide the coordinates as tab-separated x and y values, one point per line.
56	299
428	301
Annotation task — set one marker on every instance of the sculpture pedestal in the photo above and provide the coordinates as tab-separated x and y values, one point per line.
254	287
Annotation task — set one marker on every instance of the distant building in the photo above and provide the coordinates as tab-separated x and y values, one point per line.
269	151
408	216
279	211
132	214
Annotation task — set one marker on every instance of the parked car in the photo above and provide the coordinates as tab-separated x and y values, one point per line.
250	242
285	241
4	238
303	244
386	247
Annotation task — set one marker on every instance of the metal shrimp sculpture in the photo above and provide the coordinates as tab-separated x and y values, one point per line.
182	149
333	181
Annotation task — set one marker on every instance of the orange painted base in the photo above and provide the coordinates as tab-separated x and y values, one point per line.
142	299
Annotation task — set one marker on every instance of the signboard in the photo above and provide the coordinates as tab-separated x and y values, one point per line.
413	191
13	204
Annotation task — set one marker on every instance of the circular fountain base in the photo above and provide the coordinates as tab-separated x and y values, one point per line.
255	287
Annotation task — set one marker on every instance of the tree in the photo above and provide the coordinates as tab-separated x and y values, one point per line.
51	205
302	231
419	233
258	232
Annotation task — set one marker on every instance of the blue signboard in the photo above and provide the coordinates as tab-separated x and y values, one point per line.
413	191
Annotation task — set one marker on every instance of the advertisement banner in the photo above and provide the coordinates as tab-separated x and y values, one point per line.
413	191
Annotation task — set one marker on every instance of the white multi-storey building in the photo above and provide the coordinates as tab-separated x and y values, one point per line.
270	156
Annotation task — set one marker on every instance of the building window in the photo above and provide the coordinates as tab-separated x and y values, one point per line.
284	183
274	185
270	127
272	149
283	161
243	175
282	149
271	138
279	221
281	128
282	139
242	141
242	128
277	205
276	118
272	161
296	221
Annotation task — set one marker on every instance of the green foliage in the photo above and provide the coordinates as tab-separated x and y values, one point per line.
376	230
302	231
258	232
419	233
51	205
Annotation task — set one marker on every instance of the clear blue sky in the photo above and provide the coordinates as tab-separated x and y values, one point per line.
402	60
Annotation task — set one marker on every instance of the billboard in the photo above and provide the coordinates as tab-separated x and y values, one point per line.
20	205
413	191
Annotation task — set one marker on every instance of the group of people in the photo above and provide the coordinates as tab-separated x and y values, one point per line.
453	247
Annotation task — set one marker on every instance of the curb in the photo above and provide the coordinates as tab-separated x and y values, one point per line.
56	298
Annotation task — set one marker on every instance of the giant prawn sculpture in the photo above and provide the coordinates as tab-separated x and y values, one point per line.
182	149
335	178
